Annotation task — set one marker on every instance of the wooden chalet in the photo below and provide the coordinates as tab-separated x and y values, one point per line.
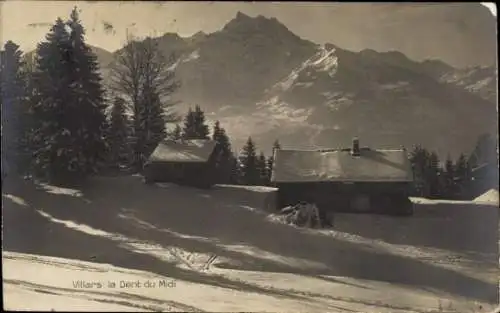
185	162
347	180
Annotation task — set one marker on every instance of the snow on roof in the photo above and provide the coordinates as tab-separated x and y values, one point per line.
195	150
340	165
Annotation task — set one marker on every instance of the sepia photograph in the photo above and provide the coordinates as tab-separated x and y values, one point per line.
210	156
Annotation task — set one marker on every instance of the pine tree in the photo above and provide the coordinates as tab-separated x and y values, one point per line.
90	105
69	107
262	168
50	82
13	100
462	175
202	127
28	125
235	170
250	174
419	161
194	125
177	133
119	134
461	167
223	153
189	127
449	178
88	100
216	131
219	135
433	175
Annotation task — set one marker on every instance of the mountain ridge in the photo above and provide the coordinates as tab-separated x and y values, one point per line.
396	100
270	83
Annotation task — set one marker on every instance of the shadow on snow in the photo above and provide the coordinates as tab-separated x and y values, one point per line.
127	207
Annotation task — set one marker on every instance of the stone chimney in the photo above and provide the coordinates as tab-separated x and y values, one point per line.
355	147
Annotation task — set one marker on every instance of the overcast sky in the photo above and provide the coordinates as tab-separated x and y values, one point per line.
27	22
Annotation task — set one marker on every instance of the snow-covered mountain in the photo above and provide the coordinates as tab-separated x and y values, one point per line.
460	34
481	80
388	102
260	79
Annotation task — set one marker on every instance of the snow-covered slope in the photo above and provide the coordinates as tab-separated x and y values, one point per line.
481	80
225	253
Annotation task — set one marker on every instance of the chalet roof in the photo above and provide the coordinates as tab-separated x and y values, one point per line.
340	166
195	150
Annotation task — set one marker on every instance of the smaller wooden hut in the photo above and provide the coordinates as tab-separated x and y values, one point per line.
184	162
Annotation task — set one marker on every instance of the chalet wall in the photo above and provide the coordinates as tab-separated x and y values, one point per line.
192	174
197	174
257	197
345	197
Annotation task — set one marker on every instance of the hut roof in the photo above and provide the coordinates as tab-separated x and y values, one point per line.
339	165
195	150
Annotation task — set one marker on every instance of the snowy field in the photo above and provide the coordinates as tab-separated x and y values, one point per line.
217	250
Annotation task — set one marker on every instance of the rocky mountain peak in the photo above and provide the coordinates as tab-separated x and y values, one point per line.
199	34
241	16
172	37
308	94
257	26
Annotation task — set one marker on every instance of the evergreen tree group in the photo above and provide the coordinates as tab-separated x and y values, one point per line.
436	181
250	173
54	121
249	167
255	168
177	133
67	122
224	162
14	107
194	125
